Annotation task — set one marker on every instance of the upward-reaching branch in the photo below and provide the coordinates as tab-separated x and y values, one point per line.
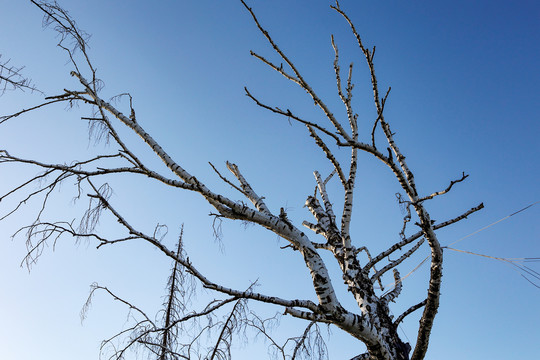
369	55
168	337
300	80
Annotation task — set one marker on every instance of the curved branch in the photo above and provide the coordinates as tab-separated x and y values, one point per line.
289	114
409	311
299	77
452	183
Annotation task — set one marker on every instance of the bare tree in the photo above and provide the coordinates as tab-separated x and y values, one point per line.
371	323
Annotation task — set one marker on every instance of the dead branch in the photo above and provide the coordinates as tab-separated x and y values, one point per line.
11	78
452	183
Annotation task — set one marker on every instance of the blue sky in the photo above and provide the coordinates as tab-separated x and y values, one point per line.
465	97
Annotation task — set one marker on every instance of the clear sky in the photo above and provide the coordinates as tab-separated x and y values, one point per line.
464	77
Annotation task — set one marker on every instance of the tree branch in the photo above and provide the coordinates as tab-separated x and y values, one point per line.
452	183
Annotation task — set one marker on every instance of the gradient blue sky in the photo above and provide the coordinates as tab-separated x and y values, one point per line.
464	77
